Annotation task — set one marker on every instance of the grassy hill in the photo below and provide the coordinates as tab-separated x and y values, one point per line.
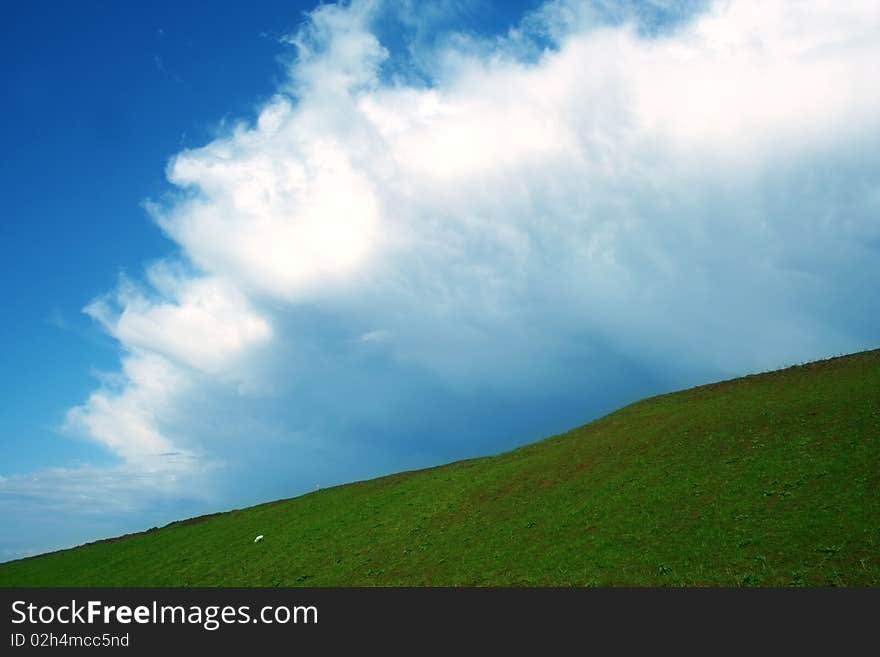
772	479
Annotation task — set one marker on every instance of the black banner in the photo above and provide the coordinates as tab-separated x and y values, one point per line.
327	621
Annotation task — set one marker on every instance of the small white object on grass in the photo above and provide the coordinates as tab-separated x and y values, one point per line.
258	538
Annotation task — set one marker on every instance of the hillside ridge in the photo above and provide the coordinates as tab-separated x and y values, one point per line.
768	479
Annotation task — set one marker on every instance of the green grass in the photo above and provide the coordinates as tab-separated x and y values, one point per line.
772	479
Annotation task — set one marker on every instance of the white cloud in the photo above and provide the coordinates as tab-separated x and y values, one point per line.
128	419
277	212
99	490
695	201
59	507
200	322
379	335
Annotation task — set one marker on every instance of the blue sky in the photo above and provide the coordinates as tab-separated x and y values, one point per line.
248	249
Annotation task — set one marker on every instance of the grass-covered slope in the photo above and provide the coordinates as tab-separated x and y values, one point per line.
771	479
